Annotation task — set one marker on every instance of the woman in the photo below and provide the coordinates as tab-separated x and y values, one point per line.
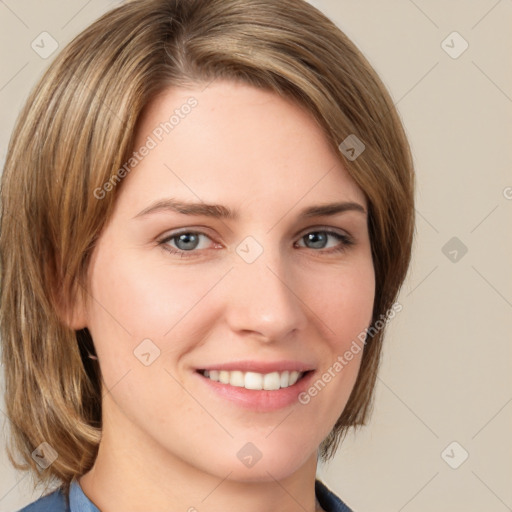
207	212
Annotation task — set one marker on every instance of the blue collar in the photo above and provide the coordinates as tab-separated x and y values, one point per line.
79	502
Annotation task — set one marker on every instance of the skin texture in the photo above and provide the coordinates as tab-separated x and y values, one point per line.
169	442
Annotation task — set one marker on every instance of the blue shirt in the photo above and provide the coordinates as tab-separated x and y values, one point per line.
79	502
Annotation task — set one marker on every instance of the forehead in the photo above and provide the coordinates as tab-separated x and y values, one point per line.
236	144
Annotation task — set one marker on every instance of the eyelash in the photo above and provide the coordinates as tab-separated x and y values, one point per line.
346	240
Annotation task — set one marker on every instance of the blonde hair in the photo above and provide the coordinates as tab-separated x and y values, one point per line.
76	131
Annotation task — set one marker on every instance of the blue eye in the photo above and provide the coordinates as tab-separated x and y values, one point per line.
319	240
186	244
187	241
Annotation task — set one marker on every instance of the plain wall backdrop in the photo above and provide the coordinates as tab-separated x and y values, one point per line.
439	437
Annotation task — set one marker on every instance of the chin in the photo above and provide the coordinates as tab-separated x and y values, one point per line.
273	464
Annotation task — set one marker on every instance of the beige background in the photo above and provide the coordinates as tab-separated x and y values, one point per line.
446	373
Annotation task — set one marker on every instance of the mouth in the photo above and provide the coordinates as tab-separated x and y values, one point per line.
272	381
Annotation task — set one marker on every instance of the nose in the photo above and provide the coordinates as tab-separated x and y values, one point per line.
263	298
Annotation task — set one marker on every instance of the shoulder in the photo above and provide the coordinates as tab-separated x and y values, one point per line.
328	500
53	502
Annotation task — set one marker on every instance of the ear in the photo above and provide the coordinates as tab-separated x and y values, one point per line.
72	308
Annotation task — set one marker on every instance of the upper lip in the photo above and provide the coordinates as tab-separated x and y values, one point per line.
260	366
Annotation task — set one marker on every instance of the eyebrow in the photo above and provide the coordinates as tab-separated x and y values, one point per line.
219	211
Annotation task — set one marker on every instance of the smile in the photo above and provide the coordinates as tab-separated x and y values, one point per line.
255	381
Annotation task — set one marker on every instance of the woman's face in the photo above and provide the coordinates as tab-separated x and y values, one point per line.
253	286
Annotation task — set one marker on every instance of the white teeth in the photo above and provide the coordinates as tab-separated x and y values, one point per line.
237	379
272	381
252	380
294	377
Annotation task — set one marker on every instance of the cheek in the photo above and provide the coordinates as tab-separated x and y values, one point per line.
343	302
145	312
137	299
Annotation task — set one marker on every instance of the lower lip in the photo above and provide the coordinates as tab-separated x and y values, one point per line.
260	400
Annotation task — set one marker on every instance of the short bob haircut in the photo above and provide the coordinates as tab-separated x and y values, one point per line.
77	130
